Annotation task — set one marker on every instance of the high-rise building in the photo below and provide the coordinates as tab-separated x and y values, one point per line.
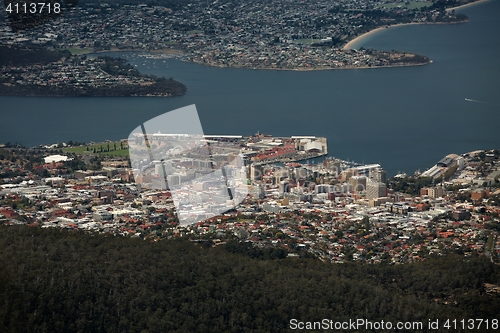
202	164
375	190
358	183
233	159
436	192
281	174
261	191
158	168
378	175
256	172
365	170
284	187
348	173
299	173
332	165
173	180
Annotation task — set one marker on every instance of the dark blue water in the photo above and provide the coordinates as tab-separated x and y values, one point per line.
404	118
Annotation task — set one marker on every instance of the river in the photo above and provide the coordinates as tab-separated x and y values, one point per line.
403	118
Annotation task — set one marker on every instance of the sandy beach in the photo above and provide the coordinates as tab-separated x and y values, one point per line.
466	5
350	44
360	37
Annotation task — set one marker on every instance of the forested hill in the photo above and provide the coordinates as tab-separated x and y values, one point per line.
59	281
25	56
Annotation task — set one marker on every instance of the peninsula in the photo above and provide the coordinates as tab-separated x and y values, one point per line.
252	34
36	71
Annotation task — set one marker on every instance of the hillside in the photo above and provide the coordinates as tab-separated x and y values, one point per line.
59	281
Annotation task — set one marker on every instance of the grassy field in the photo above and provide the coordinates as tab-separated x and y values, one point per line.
98	147
409	5
75	50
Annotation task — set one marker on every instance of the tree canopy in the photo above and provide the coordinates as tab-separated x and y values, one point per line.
61	281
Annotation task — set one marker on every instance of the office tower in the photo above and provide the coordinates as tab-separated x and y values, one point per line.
256	172
378	175
358	183
375	190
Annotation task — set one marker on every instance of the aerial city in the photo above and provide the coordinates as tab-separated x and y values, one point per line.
339	172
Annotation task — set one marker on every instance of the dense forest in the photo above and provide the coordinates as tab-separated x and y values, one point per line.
25	56
20	19
61	281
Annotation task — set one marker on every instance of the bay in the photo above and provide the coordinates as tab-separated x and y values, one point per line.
403	118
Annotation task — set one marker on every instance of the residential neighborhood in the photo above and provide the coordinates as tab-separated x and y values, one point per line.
335	210
304	35
69	72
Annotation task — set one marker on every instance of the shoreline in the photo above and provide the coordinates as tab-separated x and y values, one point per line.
466	5
161	51
275	69
315	68
350	44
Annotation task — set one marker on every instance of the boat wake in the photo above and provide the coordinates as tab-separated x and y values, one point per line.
480	102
